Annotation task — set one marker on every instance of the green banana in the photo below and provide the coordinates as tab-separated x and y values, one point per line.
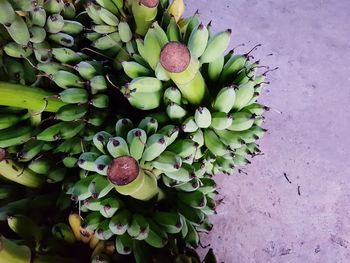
63	232
198	40
216	46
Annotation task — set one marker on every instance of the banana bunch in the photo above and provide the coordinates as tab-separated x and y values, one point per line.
211	95
116	25
125	161
33	26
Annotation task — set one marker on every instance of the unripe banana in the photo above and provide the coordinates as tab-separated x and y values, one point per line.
120	221
104	29
54	23
98	84
198	41
232	67
230	138
197	137
71	112
18	31
117	147
214	144
63	232
137	140
66	79
215	68
37	34
72	27
135	70
171	133
241	121
161	73
103	232
151	48
56	175
156	144
100	101
124	31
244	94
202	117
189	125
167	161
108	17
172	94
189	25
7	13
8	119
184	174
40	166
123	126
68	11
124	244
38	16
139	227
15	50
100	186
145	100
102	164
149	125
14	253
110	206
221	120
42	52
109	5
157	237
87	161
225	99
25	227
159	34
74	95
54	6
173	31
176	112
62	39
216	46
171	222
194	199
184	147
15	135
145	84
65	55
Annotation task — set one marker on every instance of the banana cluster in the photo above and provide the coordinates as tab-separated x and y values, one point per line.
210	95
117	24
132	162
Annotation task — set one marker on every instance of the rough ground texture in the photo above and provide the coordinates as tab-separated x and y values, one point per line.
263	218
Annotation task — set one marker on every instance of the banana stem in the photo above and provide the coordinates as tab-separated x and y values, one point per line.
10	252
129	179
30	98
17	173
183	69
144	12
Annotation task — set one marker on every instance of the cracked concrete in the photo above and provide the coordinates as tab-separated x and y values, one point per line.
264	218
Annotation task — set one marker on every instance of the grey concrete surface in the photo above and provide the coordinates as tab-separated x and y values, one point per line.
263	218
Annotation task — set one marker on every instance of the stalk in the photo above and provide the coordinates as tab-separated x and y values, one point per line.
28	98
183	69
144	12
129	179
10	252
17	173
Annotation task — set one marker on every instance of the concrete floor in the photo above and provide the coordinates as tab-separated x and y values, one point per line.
263	218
